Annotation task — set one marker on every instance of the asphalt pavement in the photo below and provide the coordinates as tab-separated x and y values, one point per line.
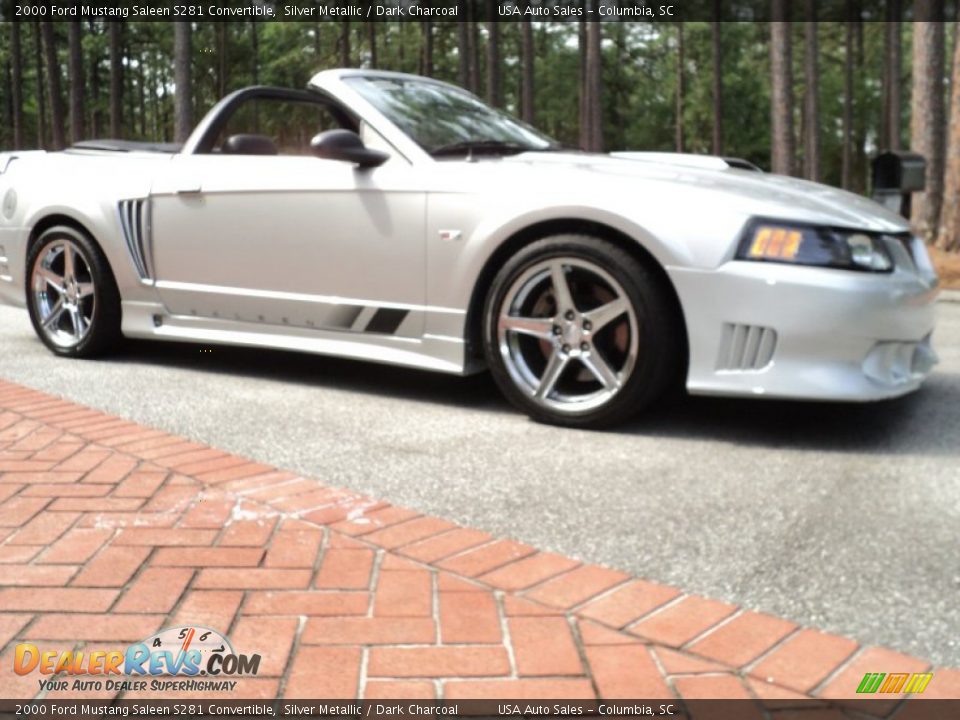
843	517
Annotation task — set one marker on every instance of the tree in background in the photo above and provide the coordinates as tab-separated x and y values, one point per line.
679	92
811	97
16	86
782	150
494	80
926	119
116	79
949	234
527	111
846	170
53	79
717	47
182	98
892	77
75	75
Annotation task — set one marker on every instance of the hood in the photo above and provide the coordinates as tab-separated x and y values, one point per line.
750	192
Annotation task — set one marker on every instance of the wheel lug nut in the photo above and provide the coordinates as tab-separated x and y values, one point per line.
569	315
566	348
584	346
587	325
556	330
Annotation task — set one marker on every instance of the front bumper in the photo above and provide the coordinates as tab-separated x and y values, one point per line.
12	243
765	329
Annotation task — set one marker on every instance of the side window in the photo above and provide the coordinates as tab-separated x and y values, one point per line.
274	127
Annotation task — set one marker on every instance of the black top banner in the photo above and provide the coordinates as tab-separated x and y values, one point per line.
475	10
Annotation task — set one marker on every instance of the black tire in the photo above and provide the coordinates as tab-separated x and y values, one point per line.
103	334
660	334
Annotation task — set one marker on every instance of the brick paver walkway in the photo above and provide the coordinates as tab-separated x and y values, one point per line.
110	531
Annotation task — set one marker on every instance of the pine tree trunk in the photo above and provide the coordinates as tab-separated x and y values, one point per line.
75	70
183	92
474	50
678	120
716	27
781	92
494	90
926	115
222	81
595	84
16	68
846	151
345	44
96	117
527	111
949	235
372	39
142	93
255	51
41	93
116	80
811	98
463	47
53	80
891	125
583	85
426	29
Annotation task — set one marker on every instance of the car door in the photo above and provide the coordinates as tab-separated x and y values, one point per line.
291	240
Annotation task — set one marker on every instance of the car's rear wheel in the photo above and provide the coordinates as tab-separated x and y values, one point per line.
71	294
577	332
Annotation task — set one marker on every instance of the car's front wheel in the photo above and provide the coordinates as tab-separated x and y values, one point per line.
577	332
71	294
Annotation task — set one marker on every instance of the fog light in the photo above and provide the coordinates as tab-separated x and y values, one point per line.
863	252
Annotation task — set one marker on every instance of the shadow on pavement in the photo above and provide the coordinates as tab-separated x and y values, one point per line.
918	423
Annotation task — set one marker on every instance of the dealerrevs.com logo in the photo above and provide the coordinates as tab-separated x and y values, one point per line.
190	653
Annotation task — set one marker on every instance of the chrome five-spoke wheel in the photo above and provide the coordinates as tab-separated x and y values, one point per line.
568	334
63	293
71	294
580	332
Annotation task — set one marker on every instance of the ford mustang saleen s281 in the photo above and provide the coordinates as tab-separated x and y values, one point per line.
398	219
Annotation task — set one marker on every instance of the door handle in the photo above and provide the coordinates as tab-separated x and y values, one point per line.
188	188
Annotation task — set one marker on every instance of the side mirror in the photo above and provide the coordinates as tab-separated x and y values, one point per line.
347	146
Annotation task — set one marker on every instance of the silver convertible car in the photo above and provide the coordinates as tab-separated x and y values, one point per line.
398	219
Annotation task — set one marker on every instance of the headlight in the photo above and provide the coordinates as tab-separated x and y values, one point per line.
810	245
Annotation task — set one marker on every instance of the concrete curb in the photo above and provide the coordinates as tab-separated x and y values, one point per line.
950	296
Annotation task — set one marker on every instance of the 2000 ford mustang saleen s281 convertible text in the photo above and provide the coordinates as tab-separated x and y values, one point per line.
395	218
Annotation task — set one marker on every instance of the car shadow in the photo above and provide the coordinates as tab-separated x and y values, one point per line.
922	422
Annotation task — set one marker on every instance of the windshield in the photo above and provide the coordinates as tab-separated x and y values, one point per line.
446	120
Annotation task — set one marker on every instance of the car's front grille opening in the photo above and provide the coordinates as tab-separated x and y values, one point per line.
746	347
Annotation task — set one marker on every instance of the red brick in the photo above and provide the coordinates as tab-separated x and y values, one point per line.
112	470
122	440
576	586
102	628
452	583
627	603
170	451
770	693
408	532
743	639
363	524
518	607
184	459
457	661
248	532
529	571
65	490
714	687
626	671
156	590
678	663
369	631
12	554
8	491
127	520
164	537
59	451
944	686
76	546
112	567
334	515
294	548
679	623
307	603
295	485
19	510
389	561
403	593
875	659
236	472
207	557
21	465
210	608
209	513
85	460
485	558
253	578
304	502
592	633
399	690
469	617
445	544
97	504
324	672
45	599
544	646
212	465
565	689
37	575
171	498
271	637
255	482
140	484
11	625
804	660
49	477
44	529
345	569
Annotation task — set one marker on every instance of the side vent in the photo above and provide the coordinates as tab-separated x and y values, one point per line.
134	221
746	347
